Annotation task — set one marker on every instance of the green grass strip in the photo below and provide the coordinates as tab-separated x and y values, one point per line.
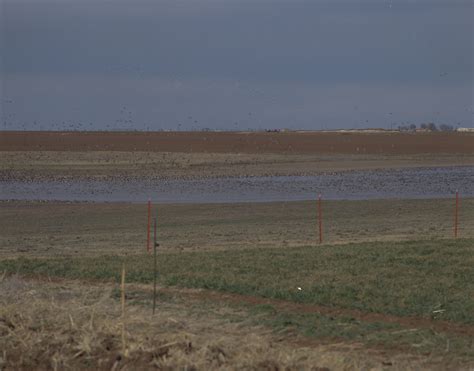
432	278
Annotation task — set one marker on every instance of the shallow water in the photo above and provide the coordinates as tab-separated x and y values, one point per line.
369	184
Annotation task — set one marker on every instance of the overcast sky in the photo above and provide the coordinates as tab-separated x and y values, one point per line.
235	64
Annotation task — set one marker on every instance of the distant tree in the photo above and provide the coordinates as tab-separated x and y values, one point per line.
424	126
444	127
432	126
412	127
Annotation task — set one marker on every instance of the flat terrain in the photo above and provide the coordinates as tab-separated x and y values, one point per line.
240	286
229	142
195	155
79	229
108	165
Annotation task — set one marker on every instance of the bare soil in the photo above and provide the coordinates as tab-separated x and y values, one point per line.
122	166
28	156
84	229
239	142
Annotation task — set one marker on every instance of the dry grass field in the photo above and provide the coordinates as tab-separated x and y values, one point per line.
73	324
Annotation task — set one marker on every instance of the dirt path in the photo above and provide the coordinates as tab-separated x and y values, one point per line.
286	306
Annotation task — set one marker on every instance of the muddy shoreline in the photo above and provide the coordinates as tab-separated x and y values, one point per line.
415	183
129	166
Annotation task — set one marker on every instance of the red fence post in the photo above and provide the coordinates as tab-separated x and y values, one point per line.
320	220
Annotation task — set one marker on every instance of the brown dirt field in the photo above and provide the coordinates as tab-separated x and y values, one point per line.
115	165
238	142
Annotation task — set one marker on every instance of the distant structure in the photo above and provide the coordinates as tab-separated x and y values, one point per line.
465	130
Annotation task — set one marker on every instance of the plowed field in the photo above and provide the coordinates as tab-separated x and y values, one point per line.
222	142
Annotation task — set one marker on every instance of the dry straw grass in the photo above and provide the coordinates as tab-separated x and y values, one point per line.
45	325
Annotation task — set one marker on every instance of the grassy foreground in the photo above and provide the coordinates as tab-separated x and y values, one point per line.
403	305
78	326
432	278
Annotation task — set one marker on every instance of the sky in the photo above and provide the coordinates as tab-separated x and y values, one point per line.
235	64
